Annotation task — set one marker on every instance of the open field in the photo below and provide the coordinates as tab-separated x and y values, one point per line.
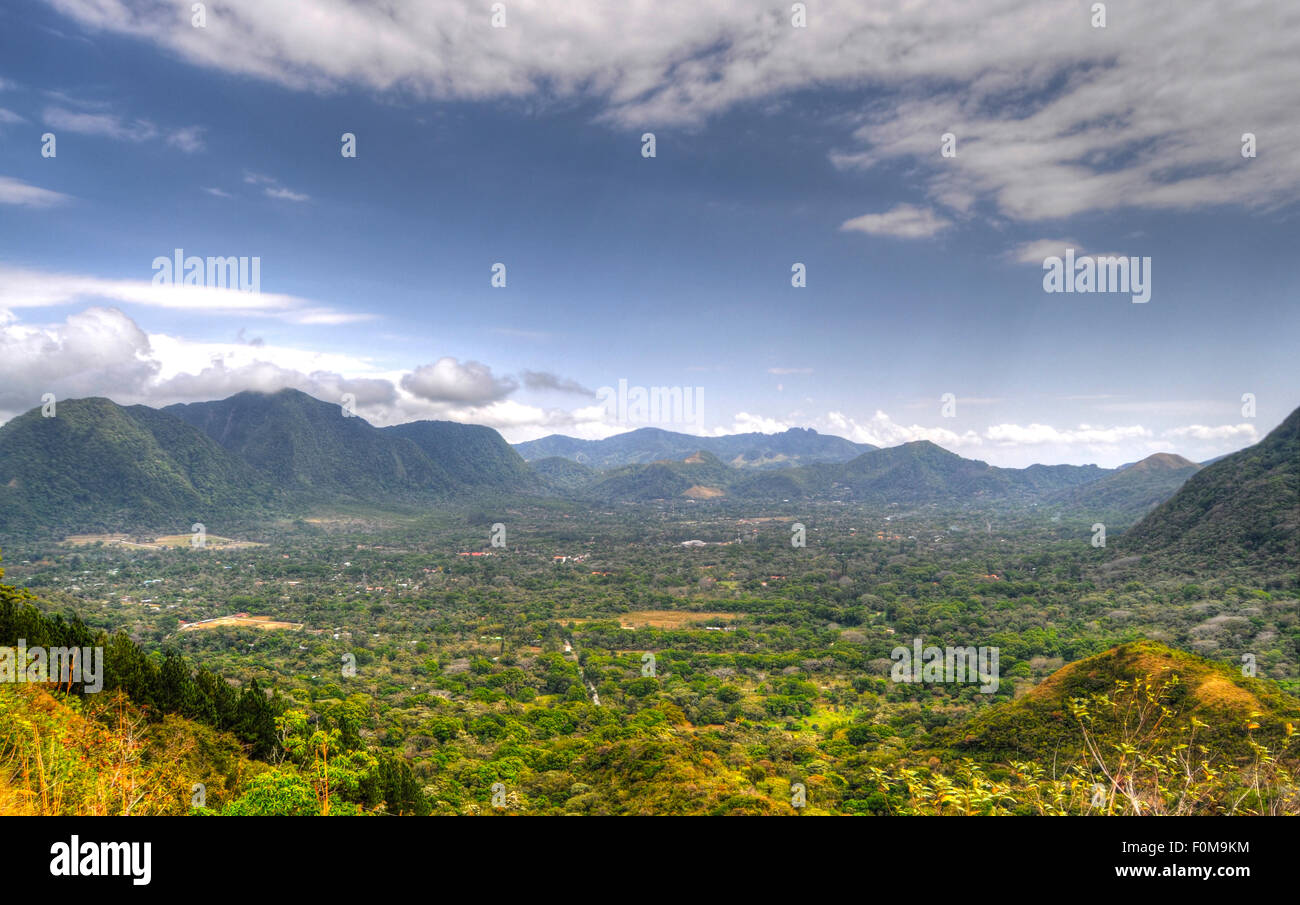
666	619
158	543
264	622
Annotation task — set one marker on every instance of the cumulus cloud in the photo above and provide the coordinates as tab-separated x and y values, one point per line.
449	380
747	422
1243	433
905	221
881	430
91	353
102	352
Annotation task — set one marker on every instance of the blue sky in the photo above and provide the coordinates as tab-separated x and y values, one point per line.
522	145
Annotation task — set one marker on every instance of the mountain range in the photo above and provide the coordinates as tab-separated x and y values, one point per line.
100	466
796	446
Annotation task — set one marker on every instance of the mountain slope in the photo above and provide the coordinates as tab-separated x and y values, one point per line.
473	455
309	446
1129	493
1039	724
98	466
917	472
561	474
1243	507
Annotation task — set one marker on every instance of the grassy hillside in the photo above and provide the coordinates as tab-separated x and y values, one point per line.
1041	724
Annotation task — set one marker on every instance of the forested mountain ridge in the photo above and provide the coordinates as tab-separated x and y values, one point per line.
796	446
1129	493
99	466
1242	506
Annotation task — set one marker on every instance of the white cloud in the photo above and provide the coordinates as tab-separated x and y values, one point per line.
15	191
746	423
881	430
92	353
1052	116
188	139
272	187
1039	250
103	352
904	221
37	289
283	194
1239	433
107	125
1020	445
451	381
1040	434
9	117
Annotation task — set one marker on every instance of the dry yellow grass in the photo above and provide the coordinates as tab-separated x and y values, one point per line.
263	622
212	540
158	543
699	492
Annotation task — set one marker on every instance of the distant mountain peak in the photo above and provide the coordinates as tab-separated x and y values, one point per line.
1163	460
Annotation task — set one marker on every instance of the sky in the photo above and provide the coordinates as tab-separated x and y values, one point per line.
923	313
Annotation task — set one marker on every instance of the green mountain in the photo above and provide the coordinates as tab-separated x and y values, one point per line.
917	472
1242	508
99	466
1128	493
311	448
796	446
562	475
638	484
1055	478
474	456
